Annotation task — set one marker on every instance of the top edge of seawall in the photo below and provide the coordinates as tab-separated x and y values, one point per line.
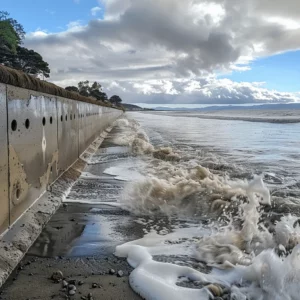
20	79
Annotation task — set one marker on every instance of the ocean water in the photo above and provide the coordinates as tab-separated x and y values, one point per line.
241	148
231	189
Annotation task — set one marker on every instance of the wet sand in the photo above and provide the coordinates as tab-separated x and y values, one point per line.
79	241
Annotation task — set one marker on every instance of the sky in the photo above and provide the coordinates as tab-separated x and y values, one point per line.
169	51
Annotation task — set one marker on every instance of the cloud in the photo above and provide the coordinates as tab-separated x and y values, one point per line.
74	26
201	91
143	40
95	10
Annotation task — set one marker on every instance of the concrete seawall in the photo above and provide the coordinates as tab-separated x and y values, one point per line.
41	136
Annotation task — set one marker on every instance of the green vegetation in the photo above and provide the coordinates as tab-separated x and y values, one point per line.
13	55
116	100
94	91
8	38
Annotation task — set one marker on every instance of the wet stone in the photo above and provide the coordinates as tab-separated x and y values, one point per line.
72	292
64	283
112	272
57	276
120	273
215	289
72	287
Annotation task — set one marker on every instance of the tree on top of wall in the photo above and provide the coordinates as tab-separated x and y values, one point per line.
72	89
8	38
115	100
85	89
13	55
30	62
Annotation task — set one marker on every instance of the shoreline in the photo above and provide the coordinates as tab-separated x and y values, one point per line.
234	117
79	240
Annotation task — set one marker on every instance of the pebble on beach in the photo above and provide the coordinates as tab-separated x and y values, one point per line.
216	290
120	273
72	287
64	283
57	276
112	272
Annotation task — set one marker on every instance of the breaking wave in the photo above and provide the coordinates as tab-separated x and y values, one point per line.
253	257
138	140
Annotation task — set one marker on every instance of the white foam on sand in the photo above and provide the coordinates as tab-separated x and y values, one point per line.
157	280
244	258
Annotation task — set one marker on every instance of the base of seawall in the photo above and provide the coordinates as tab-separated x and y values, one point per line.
17	240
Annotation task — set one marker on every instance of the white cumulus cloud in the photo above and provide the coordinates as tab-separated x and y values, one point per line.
171	50
95	10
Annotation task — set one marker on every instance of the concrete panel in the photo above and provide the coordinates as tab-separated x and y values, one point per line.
33	151
90	136
100	125
67	112
4	202
81	127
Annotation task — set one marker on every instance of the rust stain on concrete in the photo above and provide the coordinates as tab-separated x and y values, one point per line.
18	179
44	180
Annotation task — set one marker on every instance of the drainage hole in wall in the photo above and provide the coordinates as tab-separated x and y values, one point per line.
61	118
27	123
18	193
51	120
66	118
51	169
14	125
44	121
70	117
74	117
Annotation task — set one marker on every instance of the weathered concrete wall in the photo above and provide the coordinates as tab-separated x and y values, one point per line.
4	203
41	136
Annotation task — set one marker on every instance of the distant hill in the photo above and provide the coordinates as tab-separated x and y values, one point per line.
133	107
254	106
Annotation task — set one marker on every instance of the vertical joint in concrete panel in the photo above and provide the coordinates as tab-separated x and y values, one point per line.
67	133
4	200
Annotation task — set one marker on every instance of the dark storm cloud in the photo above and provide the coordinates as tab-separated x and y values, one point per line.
140	40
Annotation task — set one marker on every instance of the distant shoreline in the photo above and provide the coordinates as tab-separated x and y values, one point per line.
223	107
251	119
266	116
